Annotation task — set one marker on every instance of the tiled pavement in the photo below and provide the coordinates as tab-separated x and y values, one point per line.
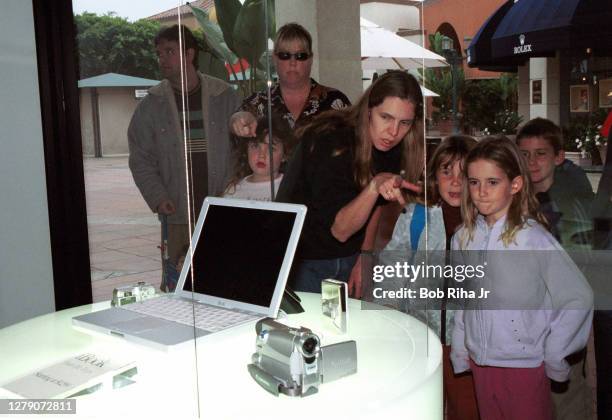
123	233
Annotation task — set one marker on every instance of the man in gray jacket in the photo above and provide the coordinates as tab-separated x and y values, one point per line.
178	158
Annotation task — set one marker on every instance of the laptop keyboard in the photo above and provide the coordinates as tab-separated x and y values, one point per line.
206	317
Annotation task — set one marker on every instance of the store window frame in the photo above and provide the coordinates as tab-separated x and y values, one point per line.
57	78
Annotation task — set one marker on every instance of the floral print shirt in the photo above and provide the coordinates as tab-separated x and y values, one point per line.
320	99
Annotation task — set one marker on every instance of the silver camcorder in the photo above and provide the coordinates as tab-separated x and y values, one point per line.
292	361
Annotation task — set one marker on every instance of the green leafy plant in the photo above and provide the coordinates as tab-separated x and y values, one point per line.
440	80
579	128
484	100
508	87
590	139
504	122
111	44
242	33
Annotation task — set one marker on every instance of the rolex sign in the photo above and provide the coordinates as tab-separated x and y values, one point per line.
522	48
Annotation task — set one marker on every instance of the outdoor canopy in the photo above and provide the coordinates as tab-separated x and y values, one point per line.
479	51
382	49
116	80
521	29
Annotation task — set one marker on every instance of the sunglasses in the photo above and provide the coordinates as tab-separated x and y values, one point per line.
300	56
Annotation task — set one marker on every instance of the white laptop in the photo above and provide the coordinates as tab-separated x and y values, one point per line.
242	254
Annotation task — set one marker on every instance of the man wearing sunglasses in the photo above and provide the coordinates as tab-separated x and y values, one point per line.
296	97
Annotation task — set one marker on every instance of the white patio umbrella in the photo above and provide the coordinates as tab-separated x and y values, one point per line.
428	93
382	49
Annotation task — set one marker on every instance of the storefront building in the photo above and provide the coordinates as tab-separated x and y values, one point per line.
560	50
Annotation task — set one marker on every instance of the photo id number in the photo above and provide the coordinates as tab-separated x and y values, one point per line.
38	406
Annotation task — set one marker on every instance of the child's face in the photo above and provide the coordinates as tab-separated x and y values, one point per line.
450	180
259	159
542	161
490	189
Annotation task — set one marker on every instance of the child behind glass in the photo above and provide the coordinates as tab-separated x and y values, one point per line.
543	304
253	170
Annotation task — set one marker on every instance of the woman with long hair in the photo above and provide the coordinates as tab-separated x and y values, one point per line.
348	162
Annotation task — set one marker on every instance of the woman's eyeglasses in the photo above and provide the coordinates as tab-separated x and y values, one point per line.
300	56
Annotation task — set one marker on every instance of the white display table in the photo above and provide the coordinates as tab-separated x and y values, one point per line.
399	369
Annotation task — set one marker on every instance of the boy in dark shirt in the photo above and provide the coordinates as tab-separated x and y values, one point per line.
565	195
563	189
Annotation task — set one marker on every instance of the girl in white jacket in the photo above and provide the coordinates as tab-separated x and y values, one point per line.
539	308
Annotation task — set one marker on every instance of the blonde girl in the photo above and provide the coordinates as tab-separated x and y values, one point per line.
539	308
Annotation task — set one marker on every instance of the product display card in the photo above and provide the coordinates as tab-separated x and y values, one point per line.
71	376
334	298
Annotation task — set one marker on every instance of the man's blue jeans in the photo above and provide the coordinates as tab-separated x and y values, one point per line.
308	274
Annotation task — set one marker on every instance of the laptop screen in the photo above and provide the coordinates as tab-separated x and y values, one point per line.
240	252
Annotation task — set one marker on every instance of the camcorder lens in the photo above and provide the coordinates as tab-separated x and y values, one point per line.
309	346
